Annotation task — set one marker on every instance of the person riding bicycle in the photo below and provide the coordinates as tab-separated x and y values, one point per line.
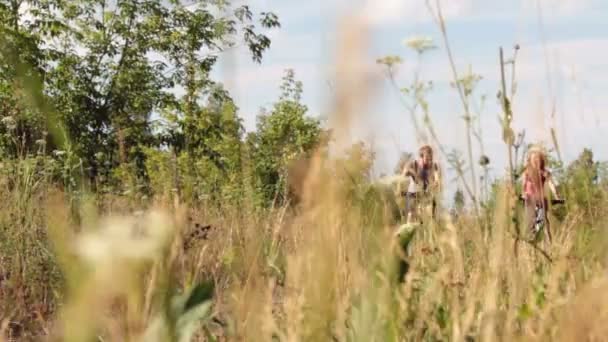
534	178
424	182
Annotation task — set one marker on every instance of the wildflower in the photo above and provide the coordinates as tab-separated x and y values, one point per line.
468	82
389	61
130	238
9	122
420	44
59	153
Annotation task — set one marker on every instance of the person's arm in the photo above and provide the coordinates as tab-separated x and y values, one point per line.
552	185
404	169
524	175
437	177
408	169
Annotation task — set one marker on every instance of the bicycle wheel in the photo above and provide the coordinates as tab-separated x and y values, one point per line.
537	227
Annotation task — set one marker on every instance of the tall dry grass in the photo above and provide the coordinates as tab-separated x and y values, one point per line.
329	270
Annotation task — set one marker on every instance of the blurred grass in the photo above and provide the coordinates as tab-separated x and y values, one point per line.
325	271
85	267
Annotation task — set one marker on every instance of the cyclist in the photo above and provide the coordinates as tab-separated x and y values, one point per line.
424	182
534	178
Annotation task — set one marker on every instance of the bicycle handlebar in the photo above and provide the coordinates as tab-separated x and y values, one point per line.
553	201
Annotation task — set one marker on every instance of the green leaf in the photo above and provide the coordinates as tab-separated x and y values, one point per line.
269	20
201	293
524	312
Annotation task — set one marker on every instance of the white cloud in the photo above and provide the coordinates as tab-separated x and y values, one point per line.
577	119
566	66
390	12
581	58
573	64
551	8
387	12
585	54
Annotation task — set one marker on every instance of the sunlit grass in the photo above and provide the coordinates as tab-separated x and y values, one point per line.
339	265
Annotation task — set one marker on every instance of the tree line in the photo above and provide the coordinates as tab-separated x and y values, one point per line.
116	96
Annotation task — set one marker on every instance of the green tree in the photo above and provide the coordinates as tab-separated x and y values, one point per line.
283	135
580	184
22	65
109	67
210	163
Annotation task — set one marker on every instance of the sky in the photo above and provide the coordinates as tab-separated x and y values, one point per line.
561	60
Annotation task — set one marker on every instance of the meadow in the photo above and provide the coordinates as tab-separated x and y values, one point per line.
115	226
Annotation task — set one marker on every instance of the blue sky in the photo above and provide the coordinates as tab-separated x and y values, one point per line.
571	65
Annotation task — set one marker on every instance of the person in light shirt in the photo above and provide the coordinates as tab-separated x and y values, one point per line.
425	182
534	179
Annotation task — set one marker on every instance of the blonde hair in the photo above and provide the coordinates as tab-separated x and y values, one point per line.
536	150
536	176
425	148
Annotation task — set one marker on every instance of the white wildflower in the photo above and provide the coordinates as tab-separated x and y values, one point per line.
126	238
59	153
420	43
9	122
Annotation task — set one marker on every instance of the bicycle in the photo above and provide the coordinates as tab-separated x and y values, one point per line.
540	219
537	229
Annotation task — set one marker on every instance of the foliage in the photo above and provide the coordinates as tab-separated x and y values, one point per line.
107	172
580	184
283	135
108	68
